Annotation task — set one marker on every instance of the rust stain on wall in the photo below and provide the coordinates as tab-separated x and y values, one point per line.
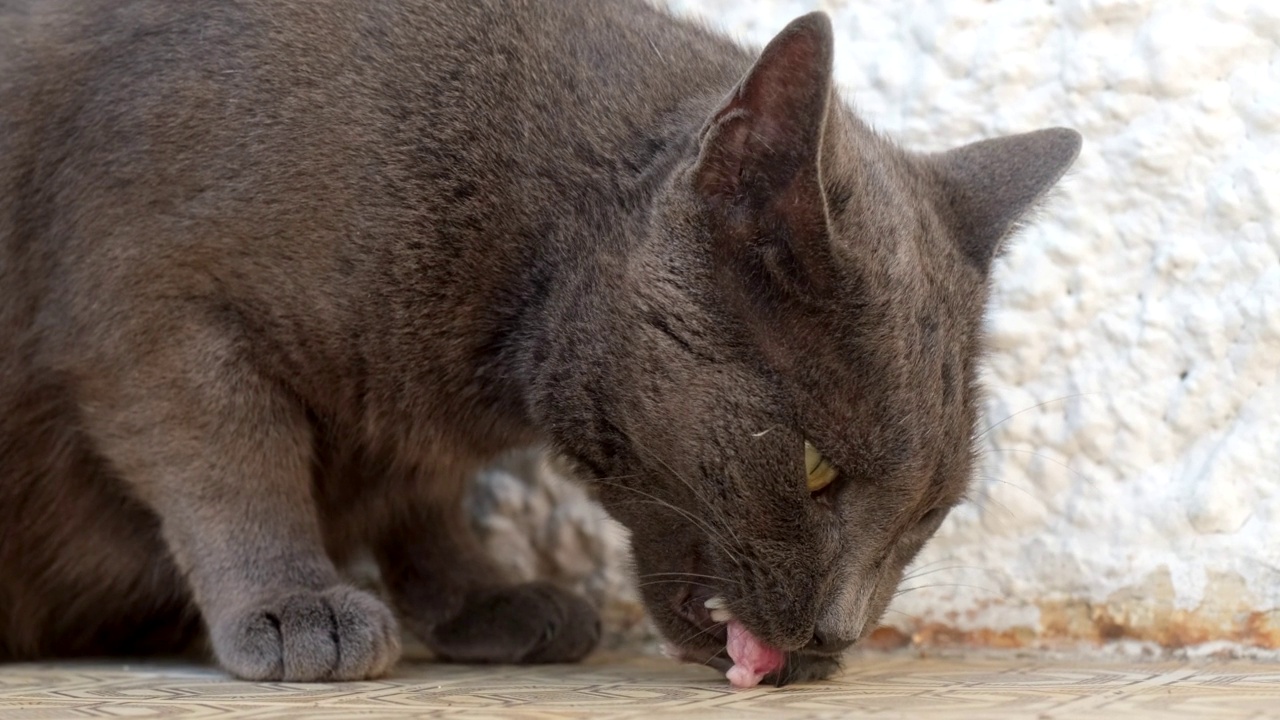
1146	612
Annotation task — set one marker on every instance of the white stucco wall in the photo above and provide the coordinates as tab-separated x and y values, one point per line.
1131	486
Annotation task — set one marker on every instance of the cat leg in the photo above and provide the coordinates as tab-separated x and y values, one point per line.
451	594
224	458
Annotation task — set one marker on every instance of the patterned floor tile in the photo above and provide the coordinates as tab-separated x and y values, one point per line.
622	689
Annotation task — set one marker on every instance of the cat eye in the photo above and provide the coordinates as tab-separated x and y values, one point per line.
818	469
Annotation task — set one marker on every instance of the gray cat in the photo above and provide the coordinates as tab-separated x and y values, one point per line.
278	276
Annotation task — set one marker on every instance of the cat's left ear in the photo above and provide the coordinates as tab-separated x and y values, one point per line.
758	163
987	186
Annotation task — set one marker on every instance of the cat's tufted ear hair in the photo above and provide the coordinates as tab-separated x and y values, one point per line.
987	186
758	163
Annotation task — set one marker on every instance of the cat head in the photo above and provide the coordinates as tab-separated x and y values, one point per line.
786	410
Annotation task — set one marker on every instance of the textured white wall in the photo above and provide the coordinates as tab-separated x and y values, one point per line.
1130	486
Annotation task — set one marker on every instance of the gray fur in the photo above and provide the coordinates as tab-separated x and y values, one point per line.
276	277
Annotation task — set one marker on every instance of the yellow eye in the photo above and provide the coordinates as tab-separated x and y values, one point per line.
819	471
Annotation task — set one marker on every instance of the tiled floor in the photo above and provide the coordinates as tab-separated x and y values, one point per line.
608	688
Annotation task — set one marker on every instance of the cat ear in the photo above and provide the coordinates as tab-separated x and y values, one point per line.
989	185
758	159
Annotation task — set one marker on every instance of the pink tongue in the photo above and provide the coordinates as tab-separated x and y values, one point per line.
752	659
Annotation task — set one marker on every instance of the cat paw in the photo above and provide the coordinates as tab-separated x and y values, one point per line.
306	636
529	623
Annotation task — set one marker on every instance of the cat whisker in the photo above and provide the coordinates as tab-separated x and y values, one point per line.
991	478
664	581
697	493
988	499
612	478
931	564
710	658
909	616
913	576
720	540
700	633
650	497
1042	456
903	591
764	432
673	581
982	434
692	488
647	576
700	524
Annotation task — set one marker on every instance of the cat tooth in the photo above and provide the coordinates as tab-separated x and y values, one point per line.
715	603
720	615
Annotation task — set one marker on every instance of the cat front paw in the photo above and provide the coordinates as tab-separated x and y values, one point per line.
529	623
340	633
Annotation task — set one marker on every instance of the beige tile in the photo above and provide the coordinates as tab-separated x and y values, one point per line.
617	688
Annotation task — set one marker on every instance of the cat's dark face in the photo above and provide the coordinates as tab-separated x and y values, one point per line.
804	282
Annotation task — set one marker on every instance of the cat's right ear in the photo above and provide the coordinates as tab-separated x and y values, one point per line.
988	186
758	162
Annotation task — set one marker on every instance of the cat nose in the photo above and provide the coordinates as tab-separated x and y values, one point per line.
829	642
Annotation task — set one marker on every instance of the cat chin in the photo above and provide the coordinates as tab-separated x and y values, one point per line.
805	668
799	667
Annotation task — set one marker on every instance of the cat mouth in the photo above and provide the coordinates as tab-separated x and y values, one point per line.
738	653
705	610
704	642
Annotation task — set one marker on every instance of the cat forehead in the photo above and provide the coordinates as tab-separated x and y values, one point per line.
897	255
884	211
885	202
